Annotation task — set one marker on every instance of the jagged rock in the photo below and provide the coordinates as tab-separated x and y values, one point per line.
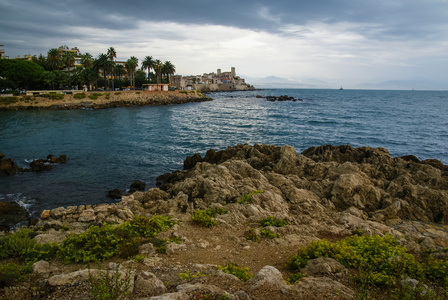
137	186
148	284
12	214
87	215
323	266
316	289
173	247
114	194
44	269
170	296
7	166
267	277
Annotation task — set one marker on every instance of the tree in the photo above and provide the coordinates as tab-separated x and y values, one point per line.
104	64
87	60
54	61
148	64
168	69
111	53
158	68
68	60
21	74
131	65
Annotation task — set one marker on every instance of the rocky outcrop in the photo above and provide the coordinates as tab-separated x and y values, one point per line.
7	166
12	214
327	191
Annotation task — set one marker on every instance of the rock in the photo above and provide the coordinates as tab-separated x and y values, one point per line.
268	277
137	186
173	247
40	165
148	284
87	215
114	194
316	289
12	214
43	268
147	249
171	296
7	166
323	266
45	214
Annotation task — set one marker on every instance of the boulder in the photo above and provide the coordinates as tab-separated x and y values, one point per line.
317	288
12	214
148	284
114	194
268	277
137	186
323	266
7	167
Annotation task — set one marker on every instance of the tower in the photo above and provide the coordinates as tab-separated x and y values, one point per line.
233	72
219	72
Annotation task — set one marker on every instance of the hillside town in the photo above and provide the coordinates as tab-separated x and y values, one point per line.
67	68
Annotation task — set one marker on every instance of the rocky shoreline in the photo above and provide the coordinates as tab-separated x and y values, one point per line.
329	192
106	100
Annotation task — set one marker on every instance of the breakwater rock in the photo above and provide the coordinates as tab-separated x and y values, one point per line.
101	100
327	192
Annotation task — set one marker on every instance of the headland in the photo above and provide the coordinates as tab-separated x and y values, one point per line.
100	100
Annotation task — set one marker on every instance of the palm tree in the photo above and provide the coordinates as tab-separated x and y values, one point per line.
68	60
87	60
104	64
168	69
53	59
111	53
158	66
148	64
131	65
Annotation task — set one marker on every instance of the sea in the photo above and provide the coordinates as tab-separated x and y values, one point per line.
112	148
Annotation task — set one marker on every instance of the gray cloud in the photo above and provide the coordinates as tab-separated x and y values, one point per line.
361	27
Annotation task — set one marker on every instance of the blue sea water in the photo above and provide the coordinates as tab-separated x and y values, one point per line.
111	148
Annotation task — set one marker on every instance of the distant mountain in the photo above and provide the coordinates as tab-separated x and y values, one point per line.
275	82
417	84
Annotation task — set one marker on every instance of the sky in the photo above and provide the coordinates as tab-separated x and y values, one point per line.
327	42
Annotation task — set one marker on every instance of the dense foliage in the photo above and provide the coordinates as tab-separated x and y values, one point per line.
96	244
242	273
57	70
375	261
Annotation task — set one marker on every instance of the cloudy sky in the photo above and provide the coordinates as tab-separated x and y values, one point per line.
338	42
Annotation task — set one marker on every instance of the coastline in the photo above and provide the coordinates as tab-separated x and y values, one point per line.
250	207
106	100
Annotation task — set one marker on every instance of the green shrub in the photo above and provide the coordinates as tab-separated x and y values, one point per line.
247	198
200	217
79	95
271	221
137	93
110	285
378	260
38	252
267	233
8	100
187	275
17	244
103	242
11	274
252	235
205	218
183	92
117	93
52	96
242	273
108	96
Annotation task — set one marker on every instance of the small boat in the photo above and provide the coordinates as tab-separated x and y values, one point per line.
341	88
